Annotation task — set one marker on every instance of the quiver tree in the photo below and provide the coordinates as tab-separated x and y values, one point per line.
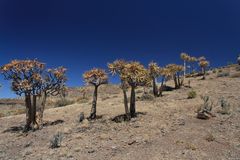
165	74
95	77
117	67
203	63
175	71
185	57
154	72
28	78
135	75
53	84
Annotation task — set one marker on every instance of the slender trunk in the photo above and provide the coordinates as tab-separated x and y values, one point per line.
184	74
161	88
34	110
28	112
175	81
40	110
133	102
125	99
204	73
94	104
155	92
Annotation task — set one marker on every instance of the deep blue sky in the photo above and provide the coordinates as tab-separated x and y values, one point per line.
84	34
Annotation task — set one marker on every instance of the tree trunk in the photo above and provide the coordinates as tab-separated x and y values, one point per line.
184	72
204	73
34	111
175	81
161	88
40	110
155	92
125	99
28	112
133	102
94	104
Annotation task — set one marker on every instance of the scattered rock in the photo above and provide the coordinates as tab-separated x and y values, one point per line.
81	117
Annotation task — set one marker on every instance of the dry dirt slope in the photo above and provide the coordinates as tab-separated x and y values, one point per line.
166	128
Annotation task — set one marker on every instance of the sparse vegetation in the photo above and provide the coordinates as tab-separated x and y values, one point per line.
225	106
192	94
63	102
223	74
56	140
205	110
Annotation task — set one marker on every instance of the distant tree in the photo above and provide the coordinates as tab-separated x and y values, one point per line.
203	63
29	78
165	74
95	77
117	67
238	59
136	75
154	72
185	57
175	71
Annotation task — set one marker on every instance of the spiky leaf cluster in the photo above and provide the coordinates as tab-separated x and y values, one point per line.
135	74
96	77
154	70
30	76
174	68
203	63
117	66
26	75
186	57
54	80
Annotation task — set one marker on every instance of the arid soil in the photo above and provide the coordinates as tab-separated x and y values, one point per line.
165	128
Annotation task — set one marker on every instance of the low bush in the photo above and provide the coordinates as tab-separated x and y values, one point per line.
223	74
235	75
147	97
225	106
56	140
192	94
63	102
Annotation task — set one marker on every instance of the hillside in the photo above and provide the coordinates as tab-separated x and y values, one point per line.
165	128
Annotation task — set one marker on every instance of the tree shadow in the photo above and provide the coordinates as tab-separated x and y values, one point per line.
14	129
49	123
19	129
123	118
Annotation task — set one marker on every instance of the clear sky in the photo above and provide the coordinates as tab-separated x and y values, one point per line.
81	34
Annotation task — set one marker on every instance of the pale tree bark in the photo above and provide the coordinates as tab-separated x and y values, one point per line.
125	99
155	90
40	110
94	104
28	112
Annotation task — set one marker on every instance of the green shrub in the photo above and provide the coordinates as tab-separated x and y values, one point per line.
192	94
63	102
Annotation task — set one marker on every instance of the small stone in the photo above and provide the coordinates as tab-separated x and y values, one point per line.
81	117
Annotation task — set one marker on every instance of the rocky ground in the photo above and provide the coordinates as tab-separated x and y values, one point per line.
165	128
